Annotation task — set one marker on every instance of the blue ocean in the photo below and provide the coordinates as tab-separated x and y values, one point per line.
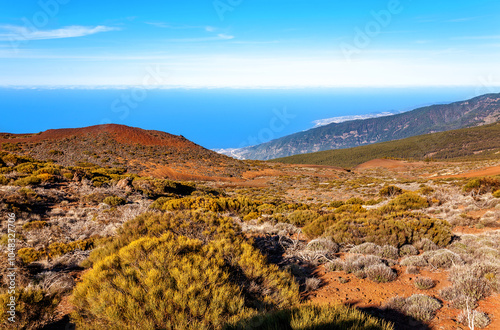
213	118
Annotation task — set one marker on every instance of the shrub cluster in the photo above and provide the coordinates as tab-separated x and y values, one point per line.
482	185
405	202
114	201
34	308
390	191
313	317
395	229
29	255
174	282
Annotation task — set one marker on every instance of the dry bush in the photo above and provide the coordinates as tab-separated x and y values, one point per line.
471	283
408	250
415	261
412	270
335	265
55	282
366	248
474	319
312	284
424	283
380	273
426	244
389	252
323	244
418	306
442	258
357	262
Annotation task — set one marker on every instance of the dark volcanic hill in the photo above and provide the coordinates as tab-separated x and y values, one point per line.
478	111
140	151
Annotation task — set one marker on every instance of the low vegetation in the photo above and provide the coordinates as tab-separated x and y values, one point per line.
131	251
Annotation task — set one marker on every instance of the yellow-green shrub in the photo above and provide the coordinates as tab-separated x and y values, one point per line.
31	180
33	309
114	201
496	194
34	225
482	185
51	169
390	191
59	249
192	224
29	255
242	205
394	229
27	168
406	201
354	201
173	282
313	317
4	180
317	227
302	217
46	177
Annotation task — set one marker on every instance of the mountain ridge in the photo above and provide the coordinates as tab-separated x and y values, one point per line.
481	110
475	143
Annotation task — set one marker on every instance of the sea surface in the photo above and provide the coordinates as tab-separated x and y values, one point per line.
213	118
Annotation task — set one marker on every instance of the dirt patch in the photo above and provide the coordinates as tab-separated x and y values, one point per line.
495	170
261	173
390	164
339	287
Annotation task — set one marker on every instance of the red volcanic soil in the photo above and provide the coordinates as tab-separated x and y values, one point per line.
383	163
120	133
366	294
495	170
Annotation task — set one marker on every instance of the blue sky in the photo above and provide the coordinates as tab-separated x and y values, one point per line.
249	43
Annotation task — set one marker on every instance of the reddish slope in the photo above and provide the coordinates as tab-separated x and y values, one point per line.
120	133
138	150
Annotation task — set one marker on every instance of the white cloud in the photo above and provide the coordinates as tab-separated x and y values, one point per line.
220	36
13	32
489	37
164	25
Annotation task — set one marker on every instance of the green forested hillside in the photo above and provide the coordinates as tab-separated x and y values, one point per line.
470	143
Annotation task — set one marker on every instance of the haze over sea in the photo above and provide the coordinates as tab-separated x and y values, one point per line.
213	118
